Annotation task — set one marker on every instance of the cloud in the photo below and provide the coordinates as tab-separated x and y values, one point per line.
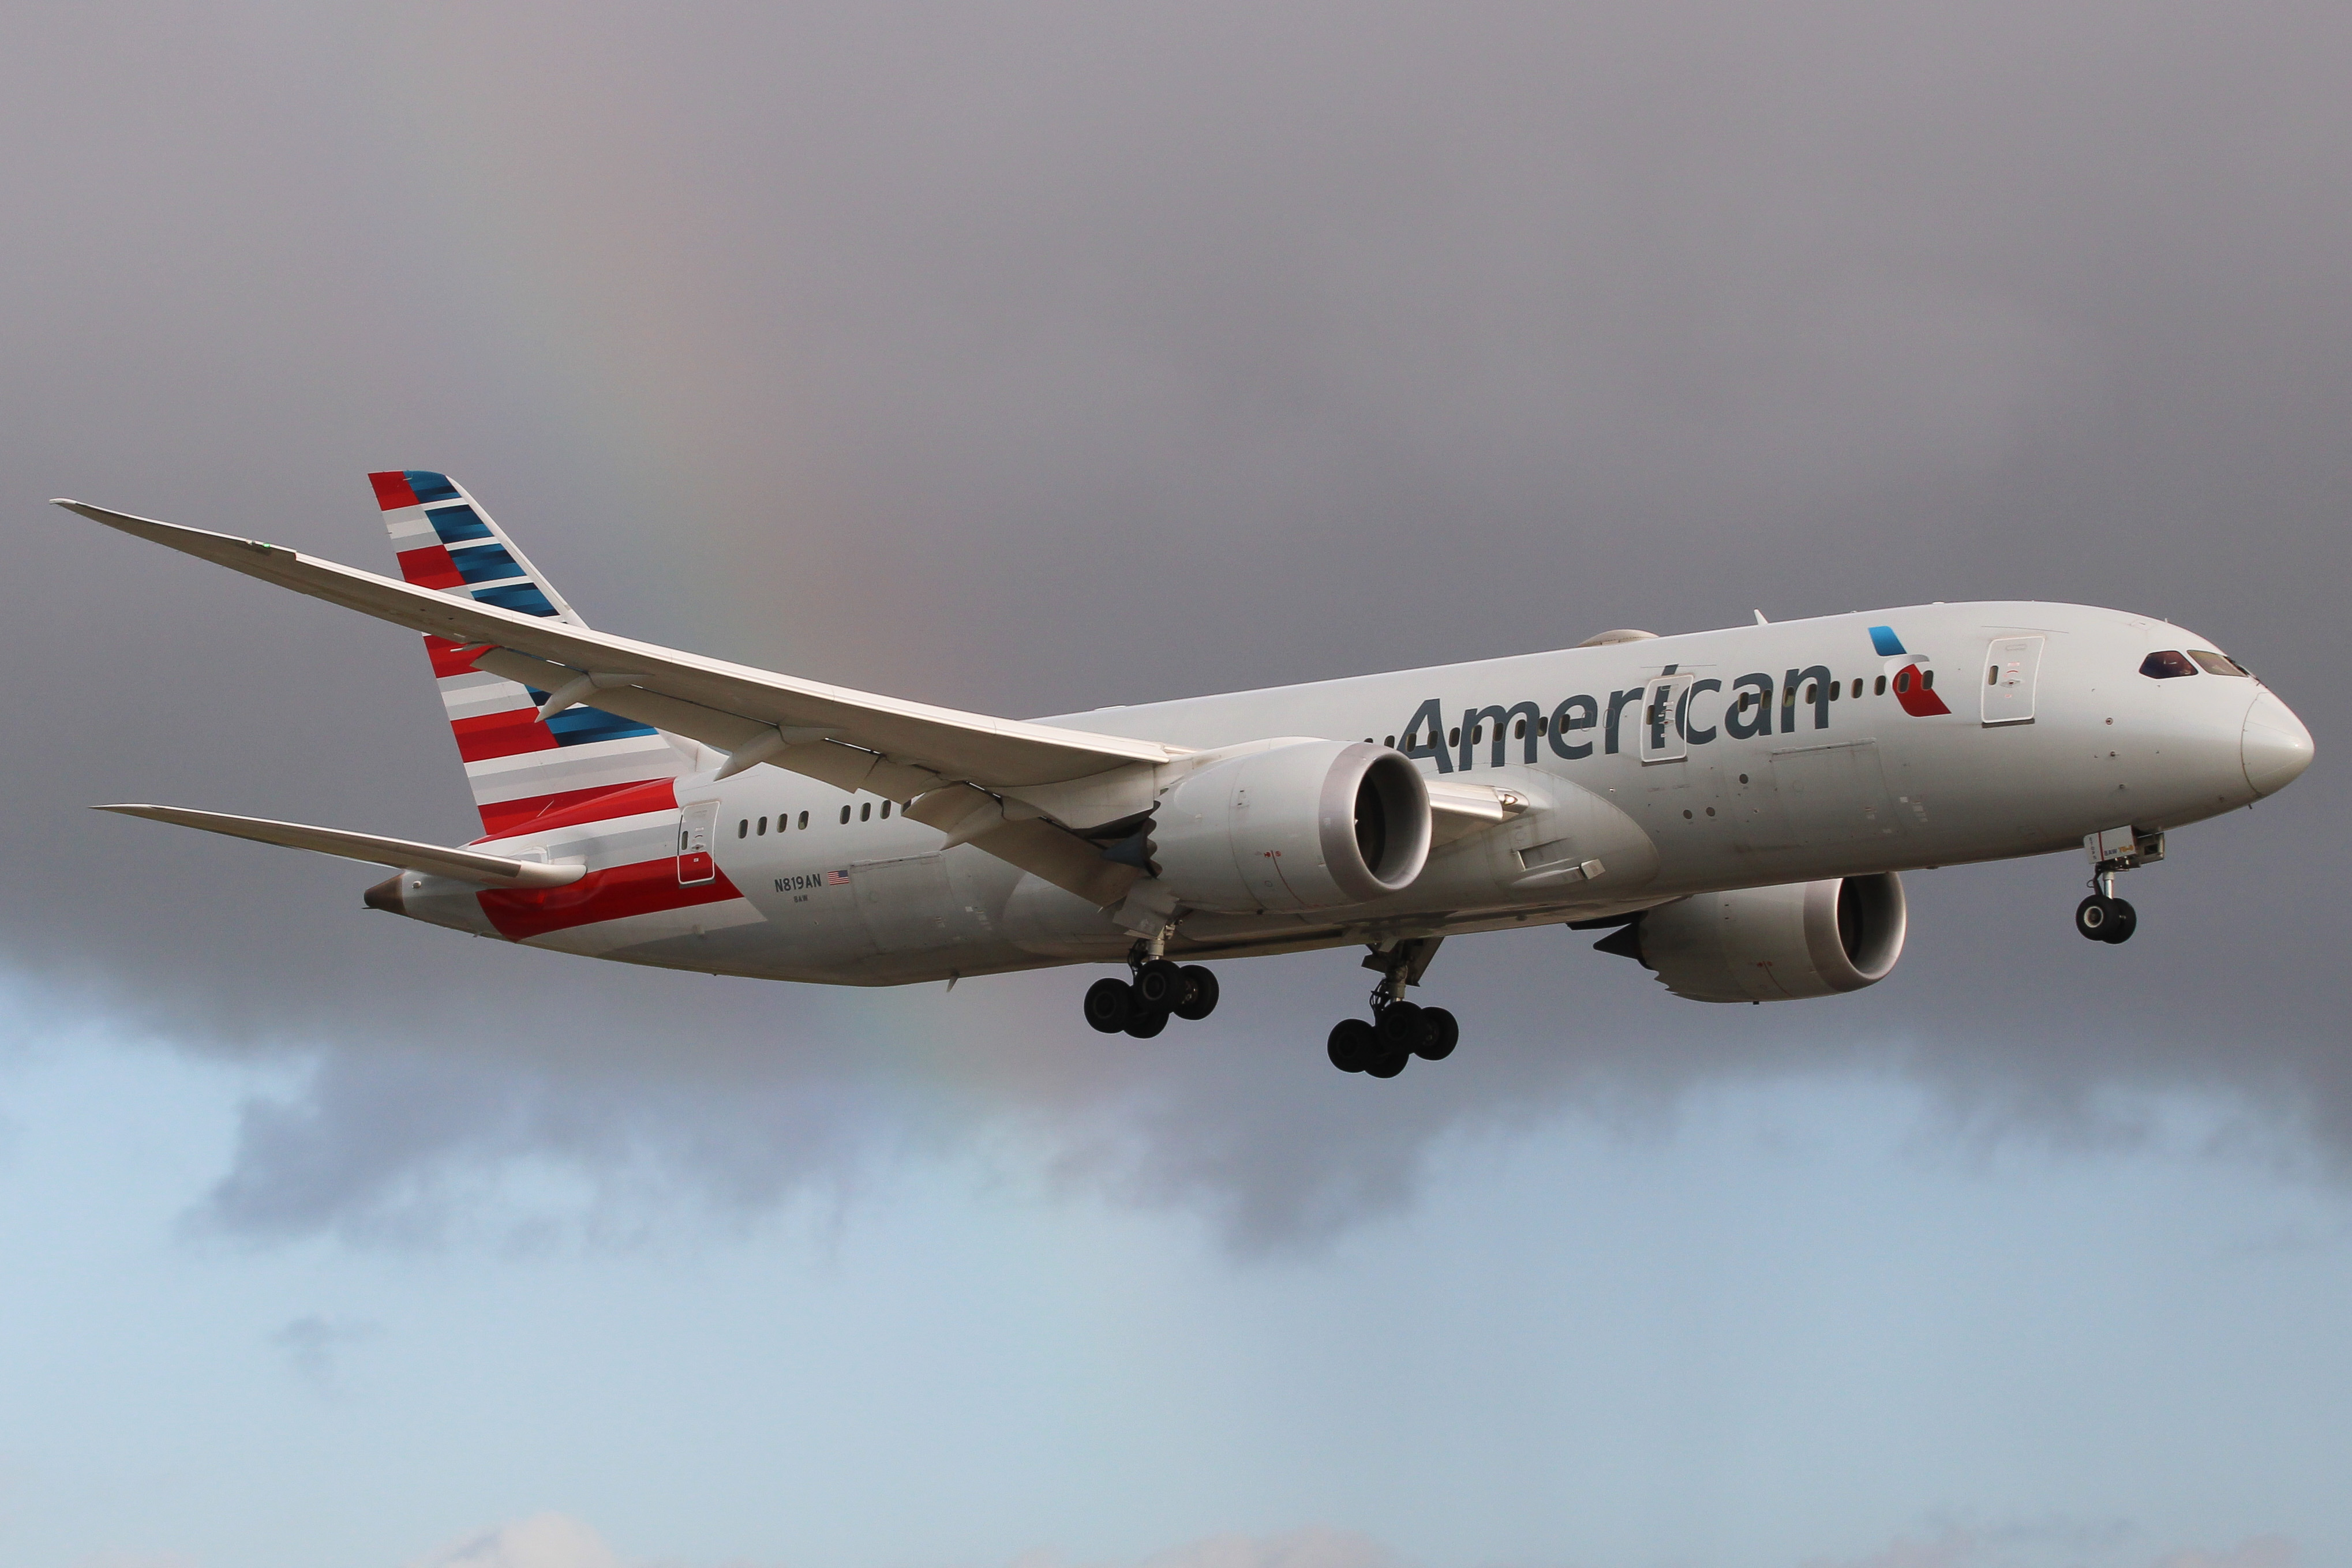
312	1345
2258	1551
1061	362
1314	1547
2056	1544
557	1540
542	1540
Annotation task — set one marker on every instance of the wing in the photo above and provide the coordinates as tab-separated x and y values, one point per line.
966	764
855	739
463	865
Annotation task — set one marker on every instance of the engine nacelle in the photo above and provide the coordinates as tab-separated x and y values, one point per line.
1776	944
1307	824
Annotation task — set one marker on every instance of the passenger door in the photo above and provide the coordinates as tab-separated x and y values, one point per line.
2012	665
694	828
1662	737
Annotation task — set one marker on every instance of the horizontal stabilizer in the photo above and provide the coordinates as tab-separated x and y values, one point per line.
461	866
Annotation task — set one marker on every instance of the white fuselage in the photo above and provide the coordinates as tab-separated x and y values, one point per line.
1628	800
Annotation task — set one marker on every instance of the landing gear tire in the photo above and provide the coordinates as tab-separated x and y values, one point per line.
1444	1034
1197	997
1388	1066
1353	1047
1147	1023
1158	986
2104	919
2123	920
1404	1030
1110	1005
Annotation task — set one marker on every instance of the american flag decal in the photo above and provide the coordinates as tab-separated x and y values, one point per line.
837	879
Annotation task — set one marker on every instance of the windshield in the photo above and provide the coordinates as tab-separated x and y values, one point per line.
2215	664
2164	664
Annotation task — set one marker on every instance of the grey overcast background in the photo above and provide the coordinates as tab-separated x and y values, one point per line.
1031	357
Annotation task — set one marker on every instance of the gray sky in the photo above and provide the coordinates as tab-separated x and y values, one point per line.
1032	358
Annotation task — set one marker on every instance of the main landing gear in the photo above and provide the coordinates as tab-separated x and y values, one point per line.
1399	1030
1160	991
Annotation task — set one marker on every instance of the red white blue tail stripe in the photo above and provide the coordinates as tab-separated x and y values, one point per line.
520	767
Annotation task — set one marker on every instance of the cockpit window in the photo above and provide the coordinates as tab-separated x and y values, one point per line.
2164	664
2215	664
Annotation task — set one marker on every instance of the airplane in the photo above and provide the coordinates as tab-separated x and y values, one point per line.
1734	808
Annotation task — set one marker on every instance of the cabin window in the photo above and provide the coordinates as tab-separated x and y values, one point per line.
764	827
1519	730
1857	686
2165	666
1454	735
1902	683
1927	680
2214	663
845	816
1543	725
886	811
1390	742
1880	689
1812	691
803	819
743	828
865	813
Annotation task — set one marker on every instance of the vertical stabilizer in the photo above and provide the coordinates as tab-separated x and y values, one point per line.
517	765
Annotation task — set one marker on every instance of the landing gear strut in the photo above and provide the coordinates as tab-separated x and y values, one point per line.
2104	917
1160	991
1399	1030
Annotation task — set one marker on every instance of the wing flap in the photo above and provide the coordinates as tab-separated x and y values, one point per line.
462	865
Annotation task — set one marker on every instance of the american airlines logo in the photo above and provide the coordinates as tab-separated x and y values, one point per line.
1914	683
1654	720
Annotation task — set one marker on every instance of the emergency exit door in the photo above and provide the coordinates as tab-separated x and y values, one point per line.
694	827
2011	667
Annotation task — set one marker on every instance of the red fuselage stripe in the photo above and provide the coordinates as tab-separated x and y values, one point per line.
648	887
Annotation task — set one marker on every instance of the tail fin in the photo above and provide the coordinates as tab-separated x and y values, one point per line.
519	765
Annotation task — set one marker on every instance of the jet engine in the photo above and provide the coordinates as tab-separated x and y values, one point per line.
1771	944
1305	824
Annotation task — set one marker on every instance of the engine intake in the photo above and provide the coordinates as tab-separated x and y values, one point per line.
1305	824
1774	944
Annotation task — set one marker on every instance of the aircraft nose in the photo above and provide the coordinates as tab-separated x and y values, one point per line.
2274	748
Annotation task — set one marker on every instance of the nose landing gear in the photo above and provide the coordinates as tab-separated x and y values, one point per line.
1399	1030
2104	917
